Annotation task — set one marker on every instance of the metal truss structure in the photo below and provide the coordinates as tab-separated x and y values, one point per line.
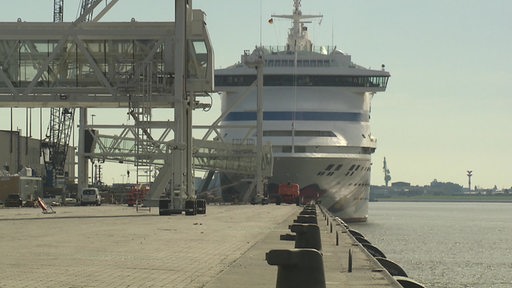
129	147
135	65
95	65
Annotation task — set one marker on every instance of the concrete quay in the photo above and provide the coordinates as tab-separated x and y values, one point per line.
251	269
117	246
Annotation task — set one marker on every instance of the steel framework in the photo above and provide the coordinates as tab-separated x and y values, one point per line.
95	65
134	65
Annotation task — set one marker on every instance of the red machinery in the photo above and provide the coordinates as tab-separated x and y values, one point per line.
289	192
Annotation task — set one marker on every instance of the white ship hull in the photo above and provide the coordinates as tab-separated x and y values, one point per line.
343	191
316	115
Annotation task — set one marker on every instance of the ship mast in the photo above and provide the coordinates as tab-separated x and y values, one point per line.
298	39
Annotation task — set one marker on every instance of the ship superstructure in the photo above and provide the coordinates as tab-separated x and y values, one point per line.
316	115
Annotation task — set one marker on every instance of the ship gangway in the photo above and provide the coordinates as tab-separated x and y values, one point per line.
208	155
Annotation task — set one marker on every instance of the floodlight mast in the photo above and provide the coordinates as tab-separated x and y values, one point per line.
256	61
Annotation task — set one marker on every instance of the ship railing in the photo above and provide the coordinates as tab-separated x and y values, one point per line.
281	48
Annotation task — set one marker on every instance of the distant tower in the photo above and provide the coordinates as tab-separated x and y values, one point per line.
470	173
387	173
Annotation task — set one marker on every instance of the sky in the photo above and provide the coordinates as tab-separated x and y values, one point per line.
447	108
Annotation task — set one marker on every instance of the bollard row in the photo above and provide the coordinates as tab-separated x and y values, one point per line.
391	267
302	266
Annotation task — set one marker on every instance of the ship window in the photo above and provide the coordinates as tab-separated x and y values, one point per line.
306	80
277	133
312	133
352	167
198	60
338	167
298	133
329	167
287	149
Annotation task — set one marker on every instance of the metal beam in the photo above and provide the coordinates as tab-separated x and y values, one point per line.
87	64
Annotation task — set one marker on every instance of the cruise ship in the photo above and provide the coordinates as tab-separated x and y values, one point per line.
316	116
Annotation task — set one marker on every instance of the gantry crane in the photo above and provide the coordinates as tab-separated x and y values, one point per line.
55	145
83	8
58	11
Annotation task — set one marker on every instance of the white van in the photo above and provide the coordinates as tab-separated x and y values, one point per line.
90	196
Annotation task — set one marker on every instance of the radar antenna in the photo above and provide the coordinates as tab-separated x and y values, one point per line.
298	39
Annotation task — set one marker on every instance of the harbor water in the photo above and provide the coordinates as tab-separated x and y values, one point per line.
445	244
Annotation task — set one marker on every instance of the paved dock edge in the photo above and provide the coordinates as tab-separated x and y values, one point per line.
252	270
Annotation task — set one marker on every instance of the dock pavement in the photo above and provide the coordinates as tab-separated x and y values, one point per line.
119	246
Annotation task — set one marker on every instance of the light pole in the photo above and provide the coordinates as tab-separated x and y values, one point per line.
470	173
256	61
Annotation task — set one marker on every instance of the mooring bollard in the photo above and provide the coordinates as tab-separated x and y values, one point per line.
349	260
298	268
287	237
308	212
307	236
306	219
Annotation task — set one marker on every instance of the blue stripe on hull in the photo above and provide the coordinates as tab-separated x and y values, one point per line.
299	116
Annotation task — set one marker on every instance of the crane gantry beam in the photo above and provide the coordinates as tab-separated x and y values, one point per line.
104	65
